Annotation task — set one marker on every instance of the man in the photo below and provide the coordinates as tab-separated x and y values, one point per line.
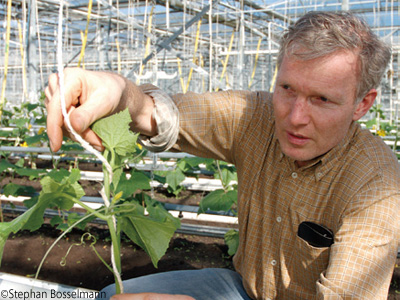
318	196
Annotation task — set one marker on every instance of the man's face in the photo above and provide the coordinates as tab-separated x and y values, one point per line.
314	103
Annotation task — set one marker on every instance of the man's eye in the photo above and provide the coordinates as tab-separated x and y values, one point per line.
320	99
285	86
323	99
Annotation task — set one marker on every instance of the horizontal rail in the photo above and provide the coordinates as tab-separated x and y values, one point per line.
46	150
191	229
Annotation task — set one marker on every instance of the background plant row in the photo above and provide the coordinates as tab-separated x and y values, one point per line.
24	126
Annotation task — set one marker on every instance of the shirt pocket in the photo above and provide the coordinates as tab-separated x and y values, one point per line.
307	263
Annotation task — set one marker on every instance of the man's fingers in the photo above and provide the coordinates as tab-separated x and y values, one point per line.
92	139
77	117
89	96
150	296
88	112
55	121
52	86
89	136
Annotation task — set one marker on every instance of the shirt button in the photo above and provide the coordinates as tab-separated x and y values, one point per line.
273	262
294	175
319	175
278	219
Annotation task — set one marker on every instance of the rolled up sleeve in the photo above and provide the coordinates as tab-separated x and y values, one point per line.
166	116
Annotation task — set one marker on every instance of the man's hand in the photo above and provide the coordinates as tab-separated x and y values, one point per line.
150	296
89	96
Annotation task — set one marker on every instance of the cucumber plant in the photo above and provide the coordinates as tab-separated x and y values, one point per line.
224	199
140	218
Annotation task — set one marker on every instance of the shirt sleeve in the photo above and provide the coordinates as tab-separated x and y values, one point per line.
363	255
203	124
166	116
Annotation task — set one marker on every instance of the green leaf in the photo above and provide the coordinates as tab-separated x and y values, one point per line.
195	161
117	174
12	189
20	169
56	220
174	179
176	191
370	123
158	212
228	175
74	176
4	165
32	219
5	134
32	173
53	193
71	146
20	163
115	133
31	202
31	106
32	140
159	176
74	217
21	122
6	228
62	226
137	181
152	236
218	200
232	241
61	194
59	175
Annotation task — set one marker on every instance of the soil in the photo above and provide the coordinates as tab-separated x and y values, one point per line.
24	251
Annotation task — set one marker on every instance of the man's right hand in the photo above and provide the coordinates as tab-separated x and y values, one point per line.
89	96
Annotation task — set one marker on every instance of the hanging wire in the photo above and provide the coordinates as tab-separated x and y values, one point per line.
225	62
6	54
196	45
84	40
118	56
22	50
255	62
148	44
42	81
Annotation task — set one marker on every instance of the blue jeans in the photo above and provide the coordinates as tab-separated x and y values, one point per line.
204	284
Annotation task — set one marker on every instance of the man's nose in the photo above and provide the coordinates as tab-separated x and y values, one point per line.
300	112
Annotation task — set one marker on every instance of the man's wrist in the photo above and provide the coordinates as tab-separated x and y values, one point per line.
166	120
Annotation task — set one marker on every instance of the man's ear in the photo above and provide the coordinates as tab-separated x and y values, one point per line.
364	105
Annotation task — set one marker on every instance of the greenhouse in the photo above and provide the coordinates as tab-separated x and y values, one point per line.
191	202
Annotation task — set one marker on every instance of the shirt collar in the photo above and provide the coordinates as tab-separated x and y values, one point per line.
320	166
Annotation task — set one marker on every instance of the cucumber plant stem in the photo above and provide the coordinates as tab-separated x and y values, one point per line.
88	208
115	242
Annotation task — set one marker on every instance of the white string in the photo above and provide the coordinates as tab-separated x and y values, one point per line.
77	137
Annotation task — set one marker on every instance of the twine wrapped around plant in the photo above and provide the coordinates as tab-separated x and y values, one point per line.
84	143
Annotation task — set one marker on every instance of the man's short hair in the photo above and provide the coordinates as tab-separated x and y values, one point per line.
319	34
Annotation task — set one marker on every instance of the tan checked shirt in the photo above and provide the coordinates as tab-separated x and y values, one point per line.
352	190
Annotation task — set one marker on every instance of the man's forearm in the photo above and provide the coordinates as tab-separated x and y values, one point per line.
141	107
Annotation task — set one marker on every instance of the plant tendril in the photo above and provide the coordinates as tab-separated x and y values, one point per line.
63	261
